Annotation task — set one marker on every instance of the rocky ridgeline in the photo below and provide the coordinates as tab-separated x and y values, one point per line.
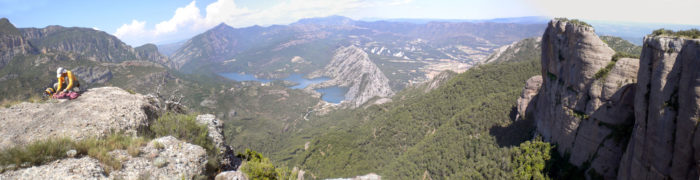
11	42
589	104
352	68
96	113
71	42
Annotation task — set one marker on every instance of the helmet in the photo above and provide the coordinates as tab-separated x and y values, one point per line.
60	71
49	91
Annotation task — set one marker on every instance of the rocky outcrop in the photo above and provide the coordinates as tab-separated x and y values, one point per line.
619	118
162	158
71	168
352	68
150	52
95	113
665	142
11	42
584	105
216	133
532	87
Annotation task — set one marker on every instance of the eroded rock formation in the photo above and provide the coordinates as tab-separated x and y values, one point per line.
665	143
352	68
585	99
624	119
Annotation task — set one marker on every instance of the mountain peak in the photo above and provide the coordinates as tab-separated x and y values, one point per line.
7	28
222	26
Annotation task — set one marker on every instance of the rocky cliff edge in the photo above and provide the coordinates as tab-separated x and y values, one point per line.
97	113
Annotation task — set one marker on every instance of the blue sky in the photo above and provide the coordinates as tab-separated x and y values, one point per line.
137	21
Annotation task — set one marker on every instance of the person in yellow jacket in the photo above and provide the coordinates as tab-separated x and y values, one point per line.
66	77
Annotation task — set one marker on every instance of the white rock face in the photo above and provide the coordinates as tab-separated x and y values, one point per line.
352	68
95	113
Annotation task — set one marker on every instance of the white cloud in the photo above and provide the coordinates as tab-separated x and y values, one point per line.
184	17
188	20
133	29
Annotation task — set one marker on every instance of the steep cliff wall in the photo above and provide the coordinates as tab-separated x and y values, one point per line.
586	97
11	42
664	143
618	117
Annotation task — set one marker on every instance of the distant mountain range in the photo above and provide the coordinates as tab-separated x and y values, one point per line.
405	52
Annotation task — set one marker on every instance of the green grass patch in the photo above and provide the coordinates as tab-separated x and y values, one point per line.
44	151
691	33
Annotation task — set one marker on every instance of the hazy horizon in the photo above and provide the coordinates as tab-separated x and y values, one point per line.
137	22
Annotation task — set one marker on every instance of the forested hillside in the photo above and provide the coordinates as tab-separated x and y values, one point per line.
463	129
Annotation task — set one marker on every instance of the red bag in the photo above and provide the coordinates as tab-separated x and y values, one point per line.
73	95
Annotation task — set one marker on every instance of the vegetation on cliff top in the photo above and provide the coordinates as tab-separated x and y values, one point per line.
620	45
691	33
573	21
